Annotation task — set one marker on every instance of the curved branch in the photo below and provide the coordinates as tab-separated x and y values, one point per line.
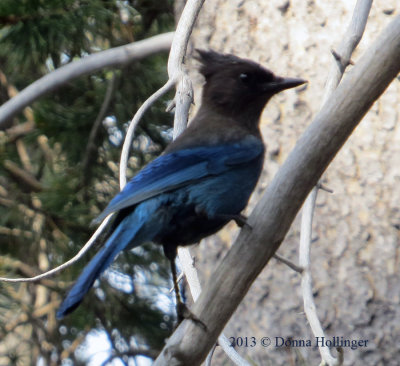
112	57
132	127
350	40
274	213
175	74
306	279
78	256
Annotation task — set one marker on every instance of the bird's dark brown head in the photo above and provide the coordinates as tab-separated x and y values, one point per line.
235	85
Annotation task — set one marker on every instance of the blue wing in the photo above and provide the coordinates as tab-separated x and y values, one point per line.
179	168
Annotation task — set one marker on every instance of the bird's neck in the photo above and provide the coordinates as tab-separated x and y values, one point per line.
245	121
211	127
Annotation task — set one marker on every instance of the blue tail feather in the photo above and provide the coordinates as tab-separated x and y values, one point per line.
123	236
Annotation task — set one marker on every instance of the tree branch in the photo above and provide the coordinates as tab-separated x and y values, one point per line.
132	127
176	64
342	56
350	40
78	256
176	75
112	57
279	205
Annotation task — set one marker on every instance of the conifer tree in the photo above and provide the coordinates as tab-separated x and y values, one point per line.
58	169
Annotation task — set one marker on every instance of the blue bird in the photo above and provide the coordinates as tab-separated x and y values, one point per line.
202	180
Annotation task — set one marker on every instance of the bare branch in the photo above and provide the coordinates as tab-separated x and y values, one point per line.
350	40
342	57
176	65
78	256
176	75
182	102
210	355
130	353
132	126
290	264
74	345
188	268
306	280
231	352
279	205
27	270
323	187
112	57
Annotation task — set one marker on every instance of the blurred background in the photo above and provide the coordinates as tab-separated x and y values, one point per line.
45	211
53	182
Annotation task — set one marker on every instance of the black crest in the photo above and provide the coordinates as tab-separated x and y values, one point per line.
213	62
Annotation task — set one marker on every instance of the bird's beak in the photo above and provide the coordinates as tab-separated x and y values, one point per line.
280	84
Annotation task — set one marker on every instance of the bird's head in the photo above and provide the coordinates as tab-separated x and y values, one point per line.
235	85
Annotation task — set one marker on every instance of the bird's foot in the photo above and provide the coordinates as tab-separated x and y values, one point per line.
183	313
241	221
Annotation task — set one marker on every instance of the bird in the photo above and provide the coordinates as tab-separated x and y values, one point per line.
202	180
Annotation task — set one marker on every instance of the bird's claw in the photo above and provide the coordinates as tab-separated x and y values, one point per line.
183	313
241	221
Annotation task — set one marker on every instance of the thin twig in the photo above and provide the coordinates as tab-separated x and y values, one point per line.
306	280
111	57
78	256
342	58
235	357
210	355
26	270
323	187
290	264
190	272
132	126
176	64
349	42
182	101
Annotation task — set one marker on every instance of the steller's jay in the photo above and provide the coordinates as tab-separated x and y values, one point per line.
202	180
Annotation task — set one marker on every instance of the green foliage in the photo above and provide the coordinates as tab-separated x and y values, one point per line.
43	225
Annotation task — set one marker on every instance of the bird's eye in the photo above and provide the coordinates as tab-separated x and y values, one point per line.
244	77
